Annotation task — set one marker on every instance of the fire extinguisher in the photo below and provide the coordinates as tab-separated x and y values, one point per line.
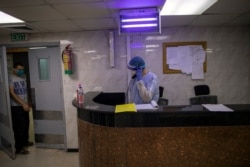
67	60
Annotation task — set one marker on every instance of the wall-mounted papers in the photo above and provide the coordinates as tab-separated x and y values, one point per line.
217	107
150	106
189	59
125	108
185	57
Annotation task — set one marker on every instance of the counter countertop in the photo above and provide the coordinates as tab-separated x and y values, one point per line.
170	116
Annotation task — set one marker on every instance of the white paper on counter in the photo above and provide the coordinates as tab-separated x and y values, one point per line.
150	106
217	107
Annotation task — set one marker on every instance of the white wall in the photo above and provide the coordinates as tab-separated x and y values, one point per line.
228	65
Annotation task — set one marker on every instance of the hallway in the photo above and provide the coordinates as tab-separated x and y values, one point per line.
40	157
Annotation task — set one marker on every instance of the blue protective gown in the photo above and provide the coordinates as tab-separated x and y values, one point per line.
145	90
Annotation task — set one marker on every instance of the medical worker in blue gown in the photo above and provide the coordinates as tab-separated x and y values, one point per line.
143	87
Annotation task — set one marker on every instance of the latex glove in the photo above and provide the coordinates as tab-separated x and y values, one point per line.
139	74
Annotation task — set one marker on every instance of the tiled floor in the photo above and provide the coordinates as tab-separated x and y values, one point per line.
39	157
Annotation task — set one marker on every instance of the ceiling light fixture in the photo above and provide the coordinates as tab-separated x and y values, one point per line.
186	7
139	25
38	47
145	20
139	19
8	19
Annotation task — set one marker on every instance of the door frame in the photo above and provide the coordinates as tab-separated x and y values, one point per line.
7	141
23	46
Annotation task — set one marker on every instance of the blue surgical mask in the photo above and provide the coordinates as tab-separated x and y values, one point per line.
20	72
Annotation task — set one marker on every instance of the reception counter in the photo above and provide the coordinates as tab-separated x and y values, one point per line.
171	136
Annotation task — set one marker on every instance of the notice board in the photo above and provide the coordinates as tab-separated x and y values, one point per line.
166	69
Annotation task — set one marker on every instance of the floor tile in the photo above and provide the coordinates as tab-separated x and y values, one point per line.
40	157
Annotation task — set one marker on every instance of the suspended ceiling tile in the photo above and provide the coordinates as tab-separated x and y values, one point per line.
107	23
172	21
69	1
240	20
84	10
16	3
65	25
34	13
229	7
212	20
66	15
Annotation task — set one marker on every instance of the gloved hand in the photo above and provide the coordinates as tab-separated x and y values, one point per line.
139	74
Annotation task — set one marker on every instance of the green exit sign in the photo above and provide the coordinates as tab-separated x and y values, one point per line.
19	37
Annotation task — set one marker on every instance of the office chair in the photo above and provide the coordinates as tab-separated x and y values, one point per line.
201	90
162	101
202	96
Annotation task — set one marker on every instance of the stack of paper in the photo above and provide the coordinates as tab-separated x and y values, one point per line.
125	108
131	107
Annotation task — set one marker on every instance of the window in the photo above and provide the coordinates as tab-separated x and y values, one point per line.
43	64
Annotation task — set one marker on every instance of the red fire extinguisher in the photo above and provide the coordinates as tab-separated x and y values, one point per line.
67	60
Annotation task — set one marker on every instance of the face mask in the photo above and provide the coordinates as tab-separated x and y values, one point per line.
133	72
20	72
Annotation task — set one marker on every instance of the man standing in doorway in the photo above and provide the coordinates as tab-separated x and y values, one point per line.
19	107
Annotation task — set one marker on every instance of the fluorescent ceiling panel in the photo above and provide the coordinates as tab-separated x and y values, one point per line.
145	20
6	19
186	7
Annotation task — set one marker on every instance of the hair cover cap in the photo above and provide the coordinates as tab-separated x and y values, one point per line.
135	63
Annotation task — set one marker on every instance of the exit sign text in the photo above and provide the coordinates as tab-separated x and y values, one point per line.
19	37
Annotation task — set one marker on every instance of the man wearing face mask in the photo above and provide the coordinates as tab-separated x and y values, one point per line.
19	106
143	87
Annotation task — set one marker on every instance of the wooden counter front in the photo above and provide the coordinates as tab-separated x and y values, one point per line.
183	142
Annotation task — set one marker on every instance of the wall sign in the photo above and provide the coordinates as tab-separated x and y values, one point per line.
19	37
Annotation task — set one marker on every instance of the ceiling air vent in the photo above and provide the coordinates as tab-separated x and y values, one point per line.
22	28
18	28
